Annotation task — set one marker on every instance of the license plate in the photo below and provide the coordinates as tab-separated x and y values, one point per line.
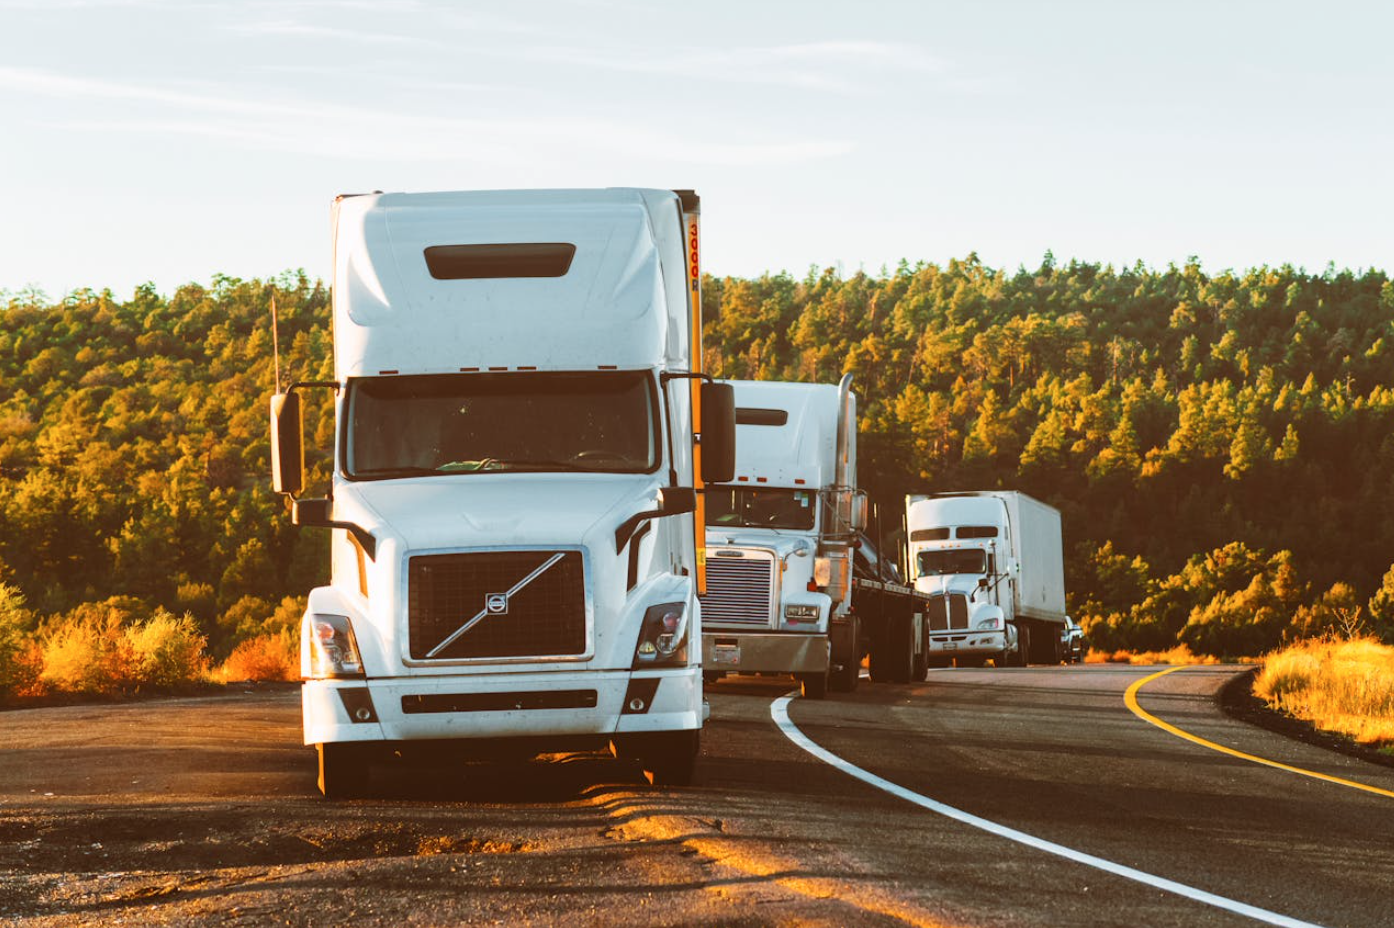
726	657
951	646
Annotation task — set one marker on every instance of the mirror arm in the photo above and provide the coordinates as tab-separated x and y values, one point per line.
672	501
361	535
321	384
666	376
627	527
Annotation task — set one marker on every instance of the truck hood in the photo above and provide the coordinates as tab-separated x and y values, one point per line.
967	584
782	544
499	510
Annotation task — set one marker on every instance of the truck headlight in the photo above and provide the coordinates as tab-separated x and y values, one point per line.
795	614
991	623
333	649
663	636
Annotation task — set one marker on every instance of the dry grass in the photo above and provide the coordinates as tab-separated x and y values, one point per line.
1341	686
1177	655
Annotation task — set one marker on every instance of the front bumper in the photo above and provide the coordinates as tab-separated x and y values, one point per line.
967	643
512	705
764	652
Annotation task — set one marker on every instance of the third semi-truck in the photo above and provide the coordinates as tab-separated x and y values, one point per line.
993	546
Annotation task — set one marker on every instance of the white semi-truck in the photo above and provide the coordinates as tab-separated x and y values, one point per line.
522	434
999	547
793	585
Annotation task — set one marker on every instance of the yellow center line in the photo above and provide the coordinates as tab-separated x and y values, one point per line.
1130	697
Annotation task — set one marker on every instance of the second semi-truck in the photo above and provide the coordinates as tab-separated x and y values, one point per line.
793	584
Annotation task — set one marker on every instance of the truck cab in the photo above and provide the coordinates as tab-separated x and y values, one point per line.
780	534
517	532
958	549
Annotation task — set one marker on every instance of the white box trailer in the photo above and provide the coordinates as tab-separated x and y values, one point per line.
997	546
521	440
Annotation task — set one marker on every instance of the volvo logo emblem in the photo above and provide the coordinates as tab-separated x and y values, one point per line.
496	603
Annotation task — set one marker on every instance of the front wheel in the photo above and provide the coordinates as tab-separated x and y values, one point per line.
343	770
847	662
668	758
1023	647
919	666
813	685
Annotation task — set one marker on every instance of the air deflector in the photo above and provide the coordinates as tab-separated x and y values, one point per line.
481	262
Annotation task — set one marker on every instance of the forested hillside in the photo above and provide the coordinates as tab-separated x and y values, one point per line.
1221	445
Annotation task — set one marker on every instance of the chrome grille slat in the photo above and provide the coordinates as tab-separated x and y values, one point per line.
740	591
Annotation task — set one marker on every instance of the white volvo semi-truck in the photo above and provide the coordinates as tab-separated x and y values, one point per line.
998	547
793	586
522	433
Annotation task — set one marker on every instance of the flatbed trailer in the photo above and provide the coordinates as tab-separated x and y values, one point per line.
891	624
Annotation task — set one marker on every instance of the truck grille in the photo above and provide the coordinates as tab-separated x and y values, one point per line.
947	611
544	617
740	591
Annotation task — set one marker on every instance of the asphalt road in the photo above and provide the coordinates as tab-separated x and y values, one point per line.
1023	795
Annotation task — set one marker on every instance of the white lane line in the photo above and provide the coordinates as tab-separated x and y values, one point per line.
779	711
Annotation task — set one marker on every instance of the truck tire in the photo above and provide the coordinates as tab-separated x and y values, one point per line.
1045	645
1022	657
893	654
669	758
343	770
845	677
846	672
813	685
919	669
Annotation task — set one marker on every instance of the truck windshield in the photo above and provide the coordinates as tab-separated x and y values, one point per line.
467	423
741	507
952	561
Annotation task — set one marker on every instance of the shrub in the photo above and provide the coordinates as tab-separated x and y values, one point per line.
100	648
272	656
166	650
19	669
87	654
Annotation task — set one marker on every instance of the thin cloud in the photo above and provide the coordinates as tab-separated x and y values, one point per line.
365	133
809	66
287	28
390	137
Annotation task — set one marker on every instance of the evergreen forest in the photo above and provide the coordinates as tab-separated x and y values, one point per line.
1220	445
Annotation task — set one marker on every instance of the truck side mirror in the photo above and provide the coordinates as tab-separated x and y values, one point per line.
287	444
718	432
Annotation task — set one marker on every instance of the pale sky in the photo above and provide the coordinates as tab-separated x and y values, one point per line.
169	140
